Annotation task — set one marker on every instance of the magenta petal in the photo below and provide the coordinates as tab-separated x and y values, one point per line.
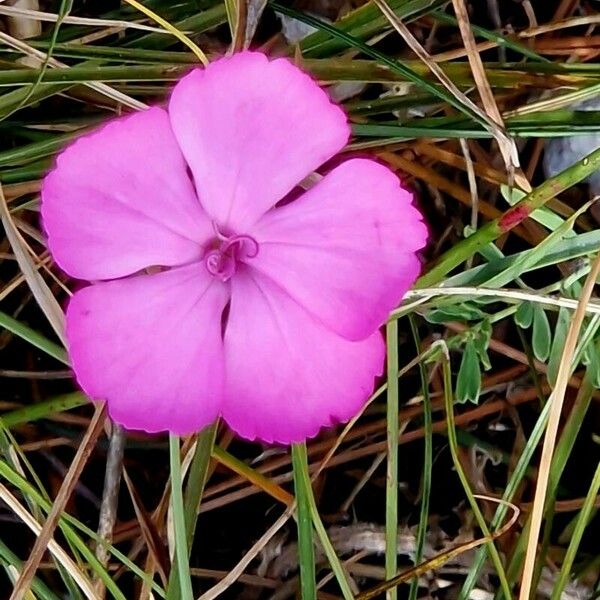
346	250
120	200
151	346
251	129
286	374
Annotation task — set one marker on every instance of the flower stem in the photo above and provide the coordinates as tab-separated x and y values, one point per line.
196	480
427	460
582	522
306	548
391	490
453	443
181	546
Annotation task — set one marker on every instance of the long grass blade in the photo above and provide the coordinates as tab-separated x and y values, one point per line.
306	545
427	461
582	522
184	581
391	489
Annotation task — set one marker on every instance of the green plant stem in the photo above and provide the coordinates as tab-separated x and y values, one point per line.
565	445
366	21
427	461
184	589
512	217
304	488
198	474
394	65
33	337
306	548
582	522
196	481
67	524
391	488
562	452
41	591
453	443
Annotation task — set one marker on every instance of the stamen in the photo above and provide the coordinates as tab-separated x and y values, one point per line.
243	246
218	233
220	265
222	261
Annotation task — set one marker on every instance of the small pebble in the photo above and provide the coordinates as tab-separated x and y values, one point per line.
561	153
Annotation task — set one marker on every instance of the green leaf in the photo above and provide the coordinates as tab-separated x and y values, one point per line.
573	290
468	382
455	312
482	341
524	315
545	246
591	358
541	337
567	249
558	343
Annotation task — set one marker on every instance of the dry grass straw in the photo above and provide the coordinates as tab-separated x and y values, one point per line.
557	398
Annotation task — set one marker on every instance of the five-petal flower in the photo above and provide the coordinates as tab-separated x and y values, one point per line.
264	312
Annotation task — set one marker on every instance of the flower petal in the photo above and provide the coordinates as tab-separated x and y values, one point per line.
151	346
286	374
346	249
120	200
251	129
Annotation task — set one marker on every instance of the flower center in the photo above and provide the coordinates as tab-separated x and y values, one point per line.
222	261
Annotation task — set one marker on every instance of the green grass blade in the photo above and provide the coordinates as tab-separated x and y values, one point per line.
67	523
391	488
453	443
567	249
427	461
196	481
42	410
34	337
580	526
515	215
392	64
63	11
199	22
300	463
365	22
306	547
502	41
511	489
40	589
184	588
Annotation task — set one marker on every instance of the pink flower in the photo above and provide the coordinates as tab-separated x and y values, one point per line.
266	315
